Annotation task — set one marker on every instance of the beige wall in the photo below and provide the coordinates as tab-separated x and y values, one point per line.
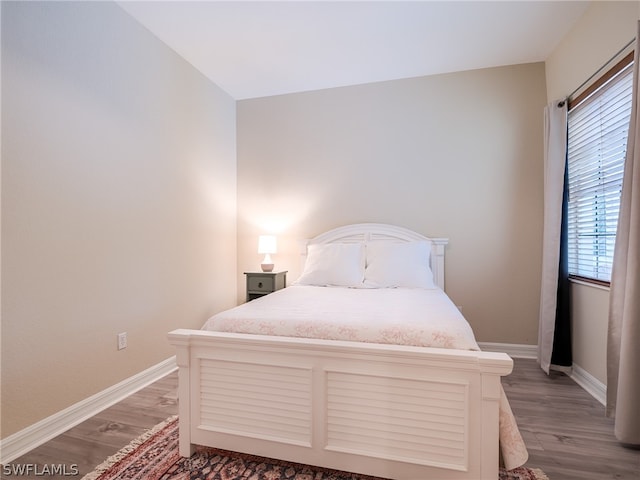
118	202
604	29
456	155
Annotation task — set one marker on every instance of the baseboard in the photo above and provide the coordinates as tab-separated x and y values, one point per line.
514	350
591	384
31	437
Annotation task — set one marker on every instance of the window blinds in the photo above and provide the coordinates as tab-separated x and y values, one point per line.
597	140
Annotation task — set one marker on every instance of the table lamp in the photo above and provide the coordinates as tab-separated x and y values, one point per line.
267	245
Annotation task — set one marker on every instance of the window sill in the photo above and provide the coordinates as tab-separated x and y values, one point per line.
587	283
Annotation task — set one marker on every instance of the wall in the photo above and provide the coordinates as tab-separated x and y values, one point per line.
118	202
604	29
456	155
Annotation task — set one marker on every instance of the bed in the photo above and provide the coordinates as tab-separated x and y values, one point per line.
364	364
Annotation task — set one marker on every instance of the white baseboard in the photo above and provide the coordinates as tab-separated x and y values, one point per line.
29	438
514	350
591	384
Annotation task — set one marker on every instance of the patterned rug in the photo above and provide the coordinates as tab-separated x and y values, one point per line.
154	456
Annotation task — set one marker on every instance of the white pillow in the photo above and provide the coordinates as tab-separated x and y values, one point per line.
390	265
337	264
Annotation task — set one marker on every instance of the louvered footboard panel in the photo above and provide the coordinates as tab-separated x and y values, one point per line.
258	401
407	420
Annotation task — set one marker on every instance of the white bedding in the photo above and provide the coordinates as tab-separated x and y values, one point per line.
399	316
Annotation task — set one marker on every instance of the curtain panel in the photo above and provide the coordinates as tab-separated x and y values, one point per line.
553	329
623	341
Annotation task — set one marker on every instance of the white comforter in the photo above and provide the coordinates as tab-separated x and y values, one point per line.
399	316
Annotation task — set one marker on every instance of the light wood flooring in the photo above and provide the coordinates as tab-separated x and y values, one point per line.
565	429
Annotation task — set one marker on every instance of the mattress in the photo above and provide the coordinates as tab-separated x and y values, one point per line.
399	316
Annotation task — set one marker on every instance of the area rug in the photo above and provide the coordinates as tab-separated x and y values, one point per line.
154	456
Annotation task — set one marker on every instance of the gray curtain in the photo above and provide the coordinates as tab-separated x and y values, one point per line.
623	343
555	155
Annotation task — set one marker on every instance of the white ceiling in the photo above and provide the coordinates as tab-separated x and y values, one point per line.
263	48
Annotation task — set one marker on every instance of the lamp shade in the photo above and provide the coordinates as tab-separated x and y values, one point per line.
267	244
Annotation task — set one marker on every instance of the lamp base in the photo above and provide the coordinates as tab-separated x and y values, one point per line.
267	267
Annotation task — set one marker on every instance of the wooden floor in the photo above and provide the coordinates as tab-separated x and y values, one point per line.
565	429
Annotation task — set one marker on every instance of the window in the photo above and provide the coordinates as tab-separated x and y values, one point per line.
598	126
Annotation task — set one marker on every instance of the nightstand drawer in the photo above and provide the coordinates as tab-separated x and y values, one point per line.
260	284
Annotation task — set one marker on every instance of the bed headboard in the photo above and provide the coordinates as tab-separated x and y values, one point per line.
367	232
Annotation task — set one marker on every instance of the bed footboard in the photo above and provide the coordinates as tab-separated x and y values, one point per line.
397	412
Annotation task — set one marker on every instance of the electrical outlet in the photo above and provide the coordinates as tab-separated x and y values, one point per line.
122	340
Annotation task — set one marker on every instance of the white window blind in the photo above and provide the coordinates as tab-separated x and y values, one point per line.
597	140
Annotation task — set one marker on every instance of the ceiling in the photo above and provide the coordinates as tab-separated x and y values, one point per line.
263	48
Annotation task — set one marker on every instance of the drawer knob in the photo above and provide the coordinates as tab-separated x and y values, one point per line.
259	284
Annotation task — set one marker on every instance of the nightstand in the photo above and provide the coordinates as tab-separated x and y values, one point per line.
264	283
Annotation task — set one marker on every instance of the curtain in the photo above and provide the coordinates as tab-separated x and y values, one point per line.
553	328
562	353
623	341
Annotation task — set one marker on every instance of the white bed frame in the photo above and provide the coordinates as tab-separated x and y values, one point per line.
398	412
